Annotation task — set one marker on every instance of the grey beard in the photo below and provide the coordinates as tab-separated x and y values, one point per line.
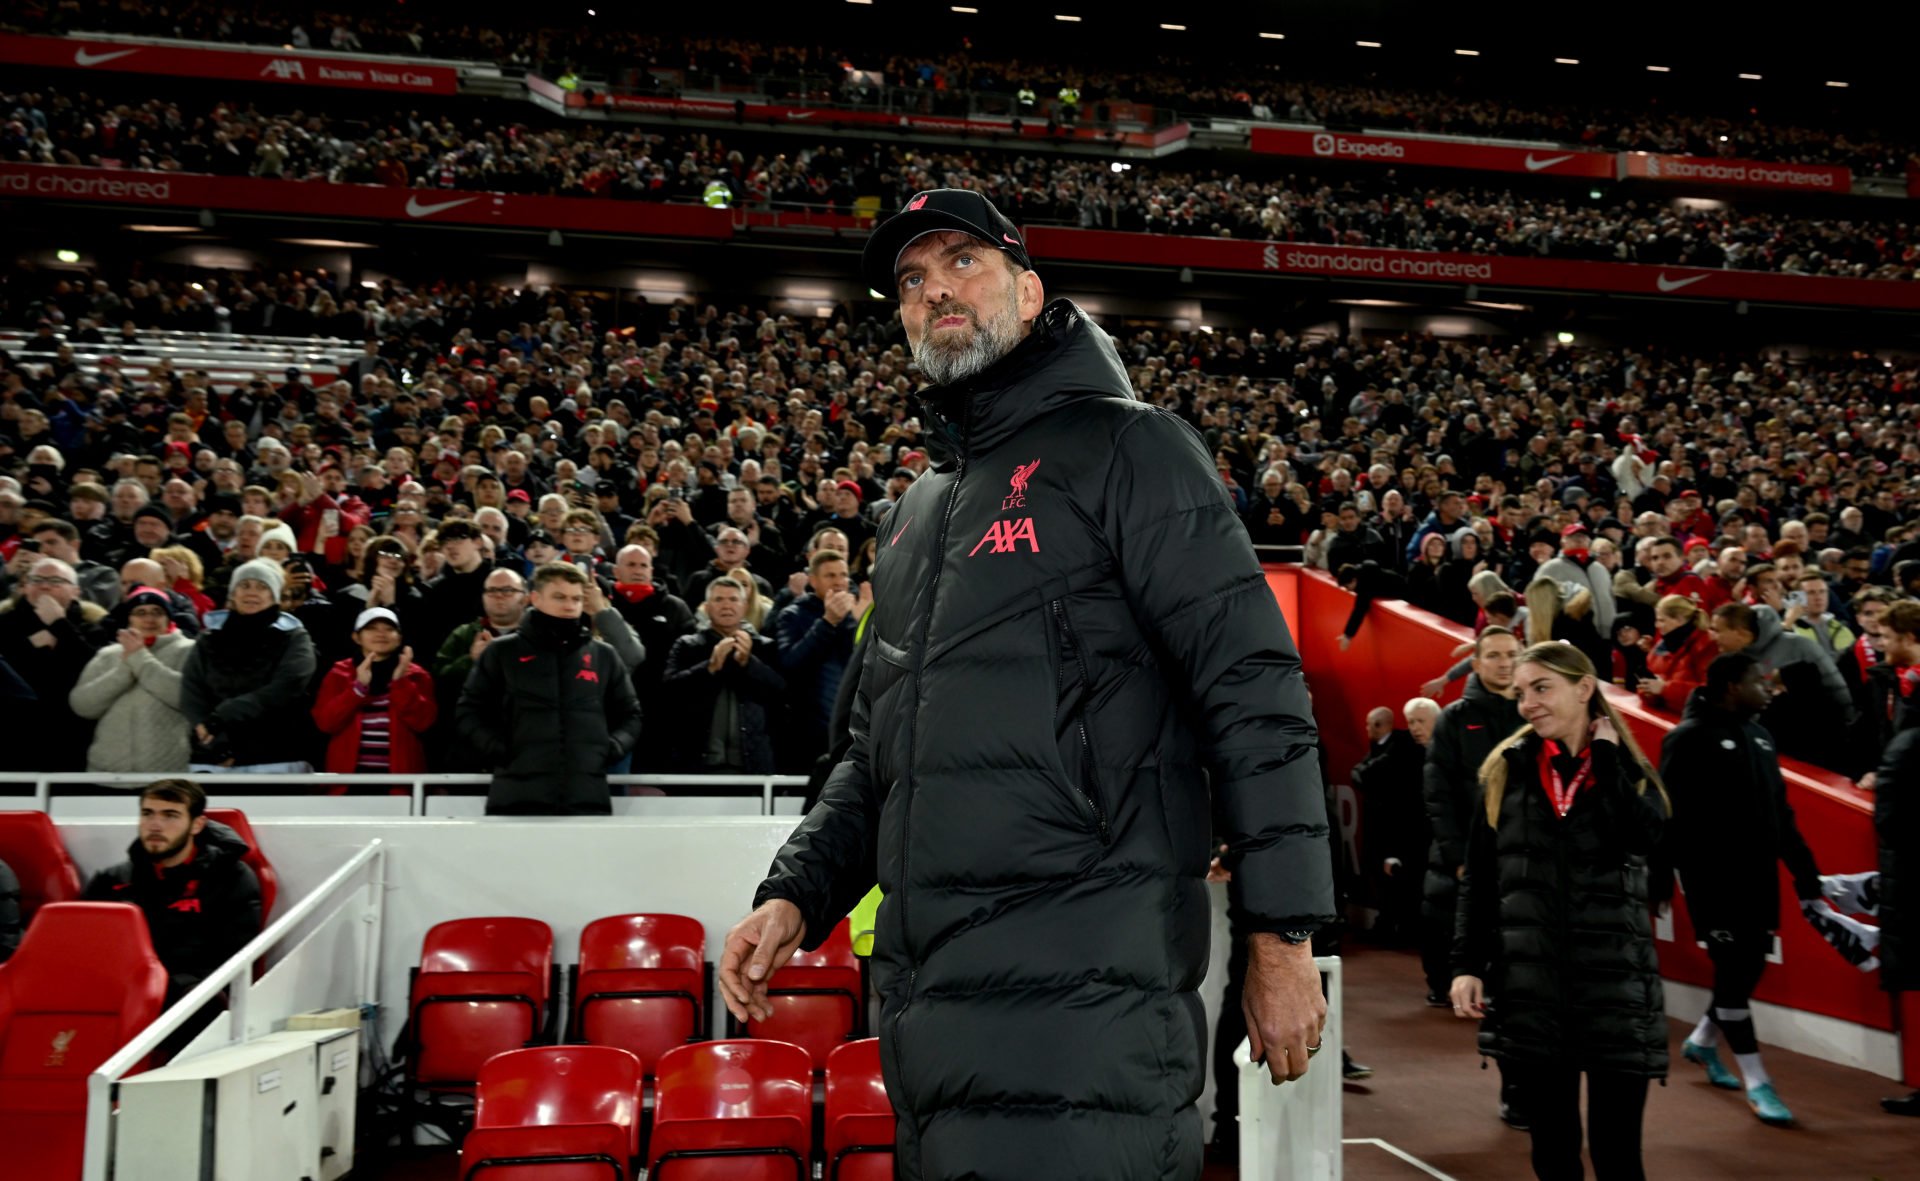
993	338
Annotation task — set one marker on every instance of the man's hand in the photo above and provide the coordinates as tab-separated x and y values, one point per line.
203	734
839	603
380	592
49	609
1469	997
1434	688
757	947
1868	780
1343	639
596	598
797	583
480	641
1285	1010
742	648
1652	686
721	650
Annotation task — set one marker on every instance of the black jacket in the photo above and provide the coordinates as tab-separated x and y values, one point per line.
1896	823
1071	636
199	914
1393	816
757	686
1371	582
1731	821
247	681
448	601
549	708
11	925
1465	735
1553	917
48	735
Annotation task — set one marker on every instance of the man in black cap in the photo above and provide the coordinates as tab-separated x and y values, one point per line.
214	537
1029	788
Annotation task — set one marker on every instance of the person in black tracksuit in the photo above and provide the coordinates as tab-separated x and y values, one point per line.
1896	825
1071	643
1465	735
188	877
1554	941
549	707
1731	826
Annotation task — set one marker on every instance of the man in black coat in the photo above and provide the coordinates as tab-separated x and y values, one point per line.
815	634
1896	825
1466	734
457	594
1393	827
1731	826
187	876
724	683
48	633
1071	636
549	707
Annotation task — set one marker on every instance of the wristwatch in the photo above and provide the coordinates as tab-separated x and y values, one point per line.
1302	935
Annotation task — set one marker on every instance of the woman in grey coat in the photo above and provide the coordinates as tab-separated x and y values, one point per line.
132	689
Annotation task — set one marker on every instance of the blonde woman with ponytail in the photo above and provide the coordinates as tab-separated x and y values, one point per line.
1554	944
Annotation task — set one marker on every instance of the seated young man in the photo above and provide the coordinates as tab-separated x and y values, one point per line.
185	874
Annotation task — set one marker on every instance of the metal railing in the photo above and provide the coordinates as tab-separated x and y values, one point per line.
45	783
237	975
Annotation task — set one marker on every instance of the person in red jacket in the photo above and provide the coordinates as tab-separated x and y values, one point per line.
1672	575
1677	664
375	709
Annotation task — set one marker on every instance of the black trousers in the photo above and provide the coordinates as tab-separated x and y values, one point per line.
1739	958
1615	1104
1436	933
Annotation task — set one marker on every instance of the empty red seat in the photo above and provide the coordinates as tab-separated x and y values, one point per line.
31	847
859	1117
554	1113
481	989
736	1110
84	981
236	820
642	984
817	999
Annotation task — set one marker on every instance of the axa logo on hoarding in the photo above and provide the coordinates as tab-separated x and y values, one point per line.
284	68
1326	143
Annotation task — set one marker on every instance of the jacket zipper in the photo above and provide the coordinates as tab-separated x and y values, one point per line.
1072	647
913	726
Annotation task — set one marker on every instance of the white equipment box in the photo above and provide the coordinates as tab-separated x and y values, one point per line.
254	1112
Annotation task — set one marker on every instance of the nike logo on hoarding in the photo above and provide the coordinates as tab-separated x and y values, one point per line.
800	114
416	209
82	58
1666	284
1534	165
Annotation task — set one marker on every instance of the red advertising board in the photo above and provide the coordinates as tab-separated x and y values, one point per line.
708	108
176	190
1401	646
1746	174
293	67
1437	153
1360	262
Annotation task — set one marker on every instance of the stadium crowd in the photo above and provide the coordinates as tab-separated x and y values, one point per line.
484	433
856	74
596	161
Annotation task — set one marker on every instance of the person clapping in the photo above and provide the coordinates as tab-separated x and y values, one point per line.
374	708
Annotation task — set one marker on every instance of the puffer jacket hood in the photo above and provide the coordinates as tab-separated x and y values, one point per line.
979	414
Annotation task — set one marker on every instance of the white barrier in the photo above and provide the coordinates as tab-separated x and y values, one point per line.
335	963
1292	1132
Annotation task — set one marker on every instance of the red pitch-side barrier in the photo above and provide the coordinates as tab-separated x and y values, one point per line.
1401	647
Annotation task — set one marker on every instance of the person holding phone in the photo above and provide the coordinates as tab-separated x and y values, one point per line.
1553	948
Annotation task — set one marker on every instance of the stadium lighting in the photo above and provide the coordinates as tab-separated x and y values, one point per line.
1564	338
1749	77
965	8
1566	61
1368	44
1839	85
67	255
1466	53
1274	36
1183	28
1660	69
1061	16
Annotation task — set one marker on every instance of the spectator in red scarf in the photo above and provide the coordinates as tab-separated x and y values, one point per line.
1671	576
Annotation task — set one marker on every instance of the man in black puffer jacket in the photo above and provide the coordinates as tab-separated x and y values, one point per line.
1466	734
549	707
1071	641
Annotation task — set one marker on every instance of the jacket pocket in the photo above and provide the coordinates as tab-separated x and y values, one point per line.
1073	687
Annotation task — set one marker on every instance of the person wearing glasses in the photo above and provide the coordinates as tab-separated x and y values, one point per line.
731	547
48	633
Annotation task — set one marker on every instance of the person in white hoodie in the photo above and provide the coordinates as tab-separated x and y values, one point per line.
131	688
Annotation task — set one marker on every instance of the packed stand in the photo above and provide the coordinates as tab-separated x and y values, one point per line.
854	74
595	161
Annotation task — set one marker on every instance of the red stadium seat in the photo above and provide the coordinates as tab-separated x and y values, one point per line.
733	1111
481	989
554	1113
236	820
642	984
31	847
859	1117
817	999
83	982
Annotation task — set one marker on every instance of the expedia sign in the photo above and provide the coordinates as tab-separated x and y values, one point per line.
1327	143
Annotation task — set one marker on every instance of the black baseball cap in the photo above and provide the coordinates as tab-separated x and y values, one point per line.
930	212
